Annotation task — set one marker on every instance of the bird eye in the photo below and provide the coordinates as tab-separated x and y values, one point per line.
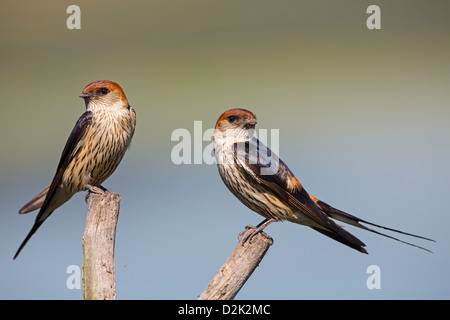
231	118
104	90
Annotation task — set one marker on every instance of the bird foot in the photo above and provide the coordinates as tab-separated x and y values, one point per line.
94	189
245	236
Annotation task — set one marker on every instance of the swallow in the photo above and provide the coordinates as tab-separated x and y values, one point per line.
266	185
93	151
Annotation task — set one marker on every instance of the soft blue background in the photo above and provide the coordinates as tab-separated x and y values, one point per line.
363	118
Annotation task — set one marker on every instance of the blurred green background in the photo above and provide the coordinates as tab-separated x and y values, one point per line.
363	118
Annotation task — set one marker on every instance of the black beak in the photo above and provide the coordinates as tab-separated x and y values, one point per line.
85	95
252	121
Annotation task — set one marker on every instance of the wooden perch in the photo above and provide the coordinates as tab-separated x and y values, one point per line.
98	276
237	268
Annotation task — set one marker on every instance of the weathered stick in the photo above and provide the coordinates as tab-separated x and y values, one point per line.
237	268
98	276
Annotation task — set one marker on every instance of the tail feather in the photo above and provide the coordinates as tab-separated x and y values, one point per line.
331	229
36	202
355	221
352	243
57	198
36	226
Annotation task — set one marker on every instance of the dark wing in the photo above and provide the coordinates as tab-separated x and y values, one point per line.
268	170
78	132
76	135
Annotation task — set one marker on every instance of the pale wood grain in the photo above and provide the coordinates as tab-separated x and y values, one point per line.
237	268
98	275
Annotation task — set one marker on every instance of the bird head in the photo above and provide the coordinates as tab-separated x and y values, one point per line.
104	94
236	124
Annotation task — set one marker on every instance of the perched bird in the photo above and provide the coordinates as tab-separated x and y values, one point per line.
93	151
264	183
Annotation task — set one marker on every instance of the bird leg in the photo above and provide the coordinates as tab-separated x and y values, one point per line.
94	189
254	230
103	189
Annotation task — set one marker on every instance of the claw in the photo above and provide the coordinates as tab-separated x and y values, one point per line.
93	189
245	236
242	232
